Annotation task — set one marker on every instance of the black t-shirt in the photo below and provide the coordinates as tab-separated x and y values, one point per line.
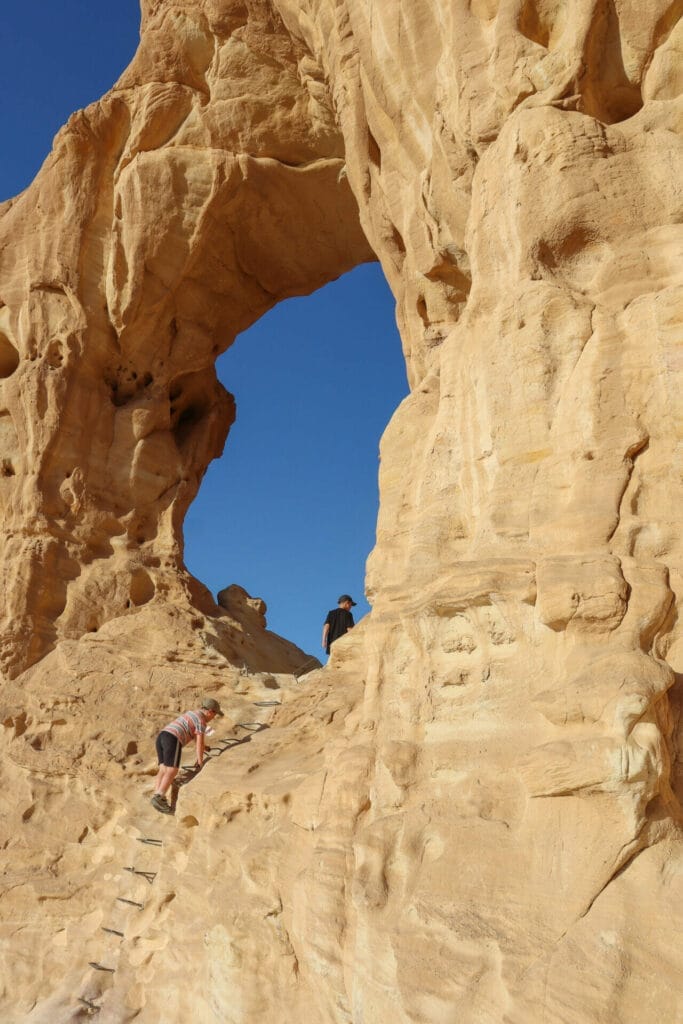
340	621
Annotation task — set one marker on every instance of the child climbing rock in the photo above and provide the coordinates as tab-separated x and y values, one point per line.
170	742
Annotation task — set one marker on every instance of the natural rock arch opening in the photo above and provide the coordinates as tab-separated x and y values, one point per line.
289	511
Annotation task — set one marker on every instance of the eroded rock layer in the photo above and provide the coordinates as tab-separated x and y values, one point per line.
473	813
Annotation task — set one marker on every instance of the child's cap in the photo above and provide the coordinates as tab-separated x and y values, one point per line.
212	705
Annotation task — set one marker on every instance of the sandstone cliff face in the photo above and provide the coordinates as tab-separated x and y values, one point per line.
473	813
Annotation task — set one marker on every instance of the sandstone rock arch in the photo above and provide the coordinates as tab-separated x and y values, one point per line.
167	217
483	820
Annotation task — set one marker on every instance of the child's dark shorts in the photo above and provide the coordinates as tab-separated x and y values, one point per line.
168	749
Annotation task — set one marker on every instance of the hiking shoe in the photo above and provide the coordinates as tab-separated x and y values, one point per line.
160	803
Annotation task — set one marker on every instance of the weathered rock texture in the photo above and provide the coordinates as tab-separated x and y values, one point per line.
473	814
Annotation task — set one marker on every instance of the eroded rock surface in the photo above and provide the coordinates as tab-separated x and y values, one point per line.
473	813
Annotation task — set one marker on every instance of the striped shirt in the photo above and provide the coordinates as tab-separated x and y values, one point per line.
186	726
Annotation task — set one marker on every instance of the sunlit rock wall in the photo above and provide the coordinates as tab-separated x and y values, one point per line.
473	814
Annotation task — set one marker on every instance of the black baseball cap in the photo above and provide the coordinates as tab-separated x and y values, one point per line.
344	598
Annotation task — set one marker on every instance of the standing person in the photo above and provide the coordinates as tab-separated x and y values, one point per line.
170	742
338	621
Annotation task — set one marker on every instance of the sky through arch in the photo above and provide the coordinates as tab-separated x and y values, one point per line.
289	511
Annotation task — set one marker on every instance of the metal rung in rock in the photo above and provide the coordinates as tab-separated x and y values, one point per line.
149	842
148	875
267	703
131	903
113	931
100	967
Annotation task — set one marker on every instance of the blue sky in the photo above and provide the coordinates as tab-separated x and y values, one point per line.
289	511
56	58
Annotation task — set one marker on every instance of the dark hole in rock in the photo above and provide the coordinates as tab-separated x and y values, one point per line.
397	239
533	24
374	152
141	587
19	724
186	422
9	357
